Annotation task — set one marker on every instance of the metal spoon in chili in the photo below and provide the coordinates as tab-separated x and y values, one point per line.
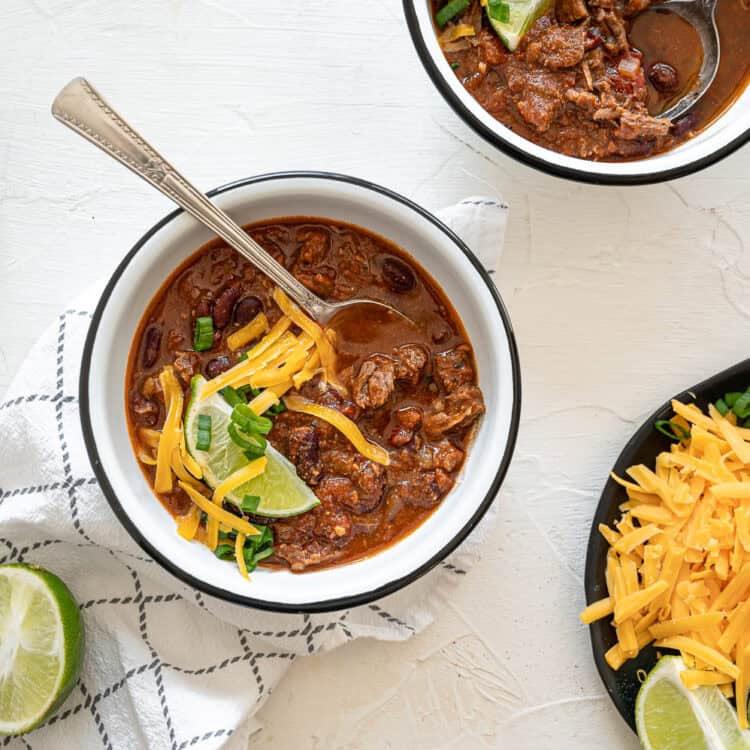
80	106
701	15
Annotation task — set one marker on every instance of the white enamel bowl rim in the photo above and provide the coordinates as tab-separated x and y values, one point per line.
138	278
725	135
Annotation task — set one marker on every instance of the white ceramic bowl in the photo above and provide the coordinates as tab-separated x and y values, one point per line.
474	297
726	134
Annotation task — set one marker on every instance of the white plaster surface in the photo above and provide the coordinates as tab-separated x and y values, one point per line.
620	297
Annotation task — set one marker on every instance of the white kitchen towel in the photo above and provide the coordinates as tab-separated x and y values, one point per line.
165	666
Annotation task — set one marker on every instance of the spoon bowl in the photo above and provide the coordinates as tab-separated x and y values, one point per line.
643	447
701	15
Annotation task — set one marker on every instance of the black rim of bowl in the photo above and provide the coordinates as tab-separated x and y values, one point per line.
327	605
497	140
643	447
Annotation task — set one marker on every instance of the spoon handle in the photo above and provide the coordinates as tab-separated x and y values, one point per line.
80	106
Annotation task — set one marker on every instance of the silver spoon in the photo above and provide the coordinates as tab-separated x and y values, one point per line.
80	106
701	15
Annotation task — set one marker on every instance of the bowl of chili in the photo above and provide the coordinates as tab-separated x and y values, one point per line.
578	95
163	283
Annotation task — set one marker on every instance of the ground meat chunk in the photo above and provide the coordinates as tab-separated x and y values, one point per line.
304	453
332	523
456	410
410	362
375	381
333	399
568	11
424	491
447	456
408	421
492	49
538	93
453	368
314	248
306	554
635	126
225	302
146	410
367	478
582	99
558	47
321	280
615	38
186	364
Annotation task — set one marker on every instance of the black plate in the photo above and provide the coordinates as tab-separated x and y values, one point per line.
642	448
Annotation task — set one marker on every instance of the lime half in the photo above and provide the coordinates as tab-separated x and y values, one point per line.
282	493
41	646
668	716
520	15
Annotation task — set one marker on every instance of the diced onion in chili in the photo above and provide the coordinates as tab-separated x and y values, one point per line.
629	66
343	424
187	525
245	474
203	338
255	328
218	514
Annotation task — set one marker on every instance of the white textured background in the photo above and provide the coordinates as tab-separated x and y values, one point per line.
620	297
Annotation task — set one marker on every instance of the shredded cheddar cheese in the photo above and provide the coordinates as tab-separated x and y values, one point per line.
170	434
187	525
255	328
678	567
343	424
245	474
239	545
217	514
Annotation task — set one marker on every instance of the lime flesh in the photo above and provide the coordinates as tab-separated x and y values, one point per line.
282	493
668	716
523	13
41	646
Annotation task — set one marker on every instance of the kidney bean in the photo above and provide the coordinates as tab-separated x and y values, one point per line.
663	77
684	124
398	276
225	304
246	309
151	346
217	365
204	308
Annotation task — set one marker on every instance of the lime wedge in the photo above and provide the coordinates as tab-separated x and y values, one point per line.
668	716
41	646
282	493
520	16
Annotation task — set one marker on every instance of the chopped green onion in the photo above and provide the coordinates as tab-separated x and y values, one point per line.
255	391
243	390
721	407
203	441
254	452
253	558
250	503
498	10
742	406
455	65
224	552
277	409
203	338
227	534
248	421
672	430
242	357
255	441
231	396
731	398
450	10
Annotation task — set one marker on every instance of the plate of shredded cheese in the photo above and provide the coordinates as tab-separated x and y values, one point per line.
668	562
